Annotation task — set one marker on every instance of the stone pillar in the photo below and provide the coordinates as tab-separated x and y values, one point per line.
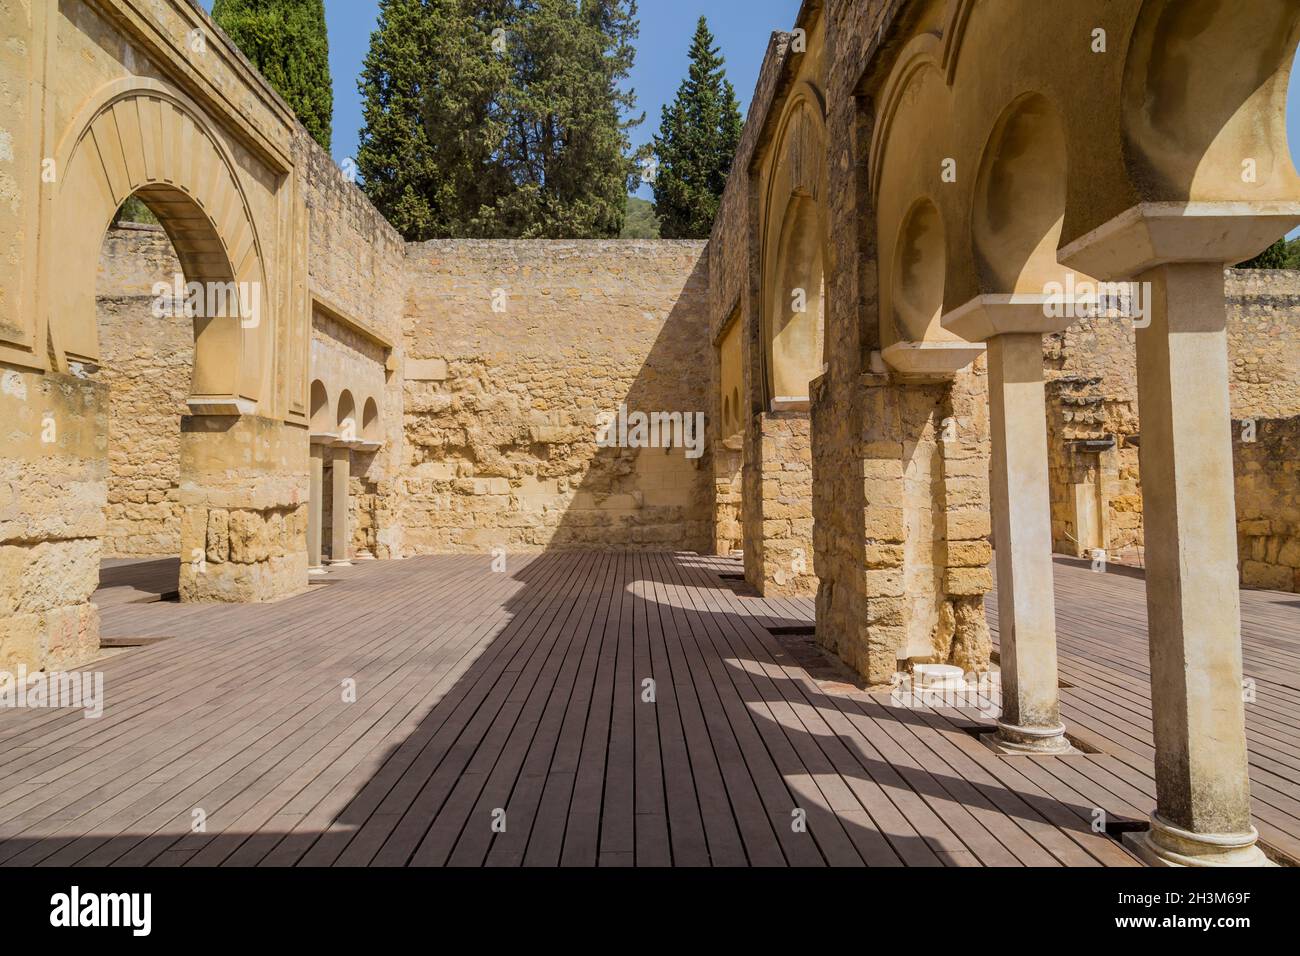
53	486
340	534
1013	328
1202	815
777	504
315	508
243	494
1193	605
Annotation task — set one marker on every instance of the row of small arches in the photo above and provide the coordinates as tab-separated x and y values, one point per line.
340	417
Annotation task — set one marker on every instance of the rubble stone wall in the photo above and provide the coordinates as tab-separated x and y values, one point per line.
513	351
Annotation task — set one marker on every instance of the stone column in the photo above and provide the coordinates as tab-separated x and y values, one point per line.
1202	815
340	534
1193	603
315	509
1013	328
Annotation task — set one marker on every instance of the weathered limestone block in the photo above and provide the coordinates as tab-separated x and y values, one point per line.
241	477
47	575
218	538
52	493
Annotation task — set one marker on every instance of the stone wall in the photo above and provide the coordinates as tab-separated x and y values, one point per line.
147	364
728	463
512	351
1268	503
53	482
357	263
1092	398
779	525
899	470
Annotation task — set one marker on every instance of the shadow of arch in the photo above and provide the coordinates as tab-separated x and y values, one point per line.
1019	201
1192	71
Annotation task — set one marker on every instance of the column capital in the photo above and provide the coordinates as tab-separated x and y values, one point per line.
931	361
220	405
1155	233
986	316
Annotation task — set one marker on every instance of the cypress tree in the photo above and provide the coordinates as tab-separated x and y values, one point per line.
565	145
499	118
697	140
430	87
286	40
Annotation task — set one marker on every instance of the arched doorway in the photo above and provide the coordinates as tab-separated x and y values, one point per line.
242	517
778	482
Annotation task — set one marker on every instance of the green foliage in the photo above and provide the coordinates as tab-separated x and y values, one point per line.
1280	255
639	220
134	210
696	143
432	120
286	40
499	118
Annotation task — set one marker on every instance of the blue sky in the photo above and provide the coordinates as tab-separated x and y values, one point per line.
742	28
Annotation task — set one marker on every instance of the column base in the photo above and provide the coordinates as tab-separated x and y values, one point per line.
1011	739
318	570
1167	845
341	563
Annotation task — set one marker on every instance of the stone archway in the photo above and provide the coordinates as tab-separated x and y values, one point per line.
144	140
790	333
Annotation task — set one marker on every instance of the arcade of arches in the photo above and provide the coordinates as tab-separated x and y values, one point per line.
889	339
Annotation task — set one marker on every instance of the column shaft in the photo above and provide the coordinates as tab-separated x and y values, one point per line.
340	535
1193	603
315	508
1031	718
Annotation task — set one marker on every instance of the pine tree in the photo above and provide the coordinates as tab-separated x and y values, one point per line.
697	140
286	40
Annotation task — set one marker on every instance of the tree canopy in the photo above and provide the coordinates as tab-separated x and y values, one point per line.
697	140
286	40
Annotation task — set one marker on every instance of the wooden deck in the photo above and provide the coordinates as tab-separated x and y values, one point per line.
522	692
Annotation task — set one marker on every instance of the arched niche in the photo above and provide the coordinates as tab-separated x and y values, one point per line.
322	419
730	381
1205	86
795	328
1019	199
346	417
794	252
370	426
140	138
918	274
